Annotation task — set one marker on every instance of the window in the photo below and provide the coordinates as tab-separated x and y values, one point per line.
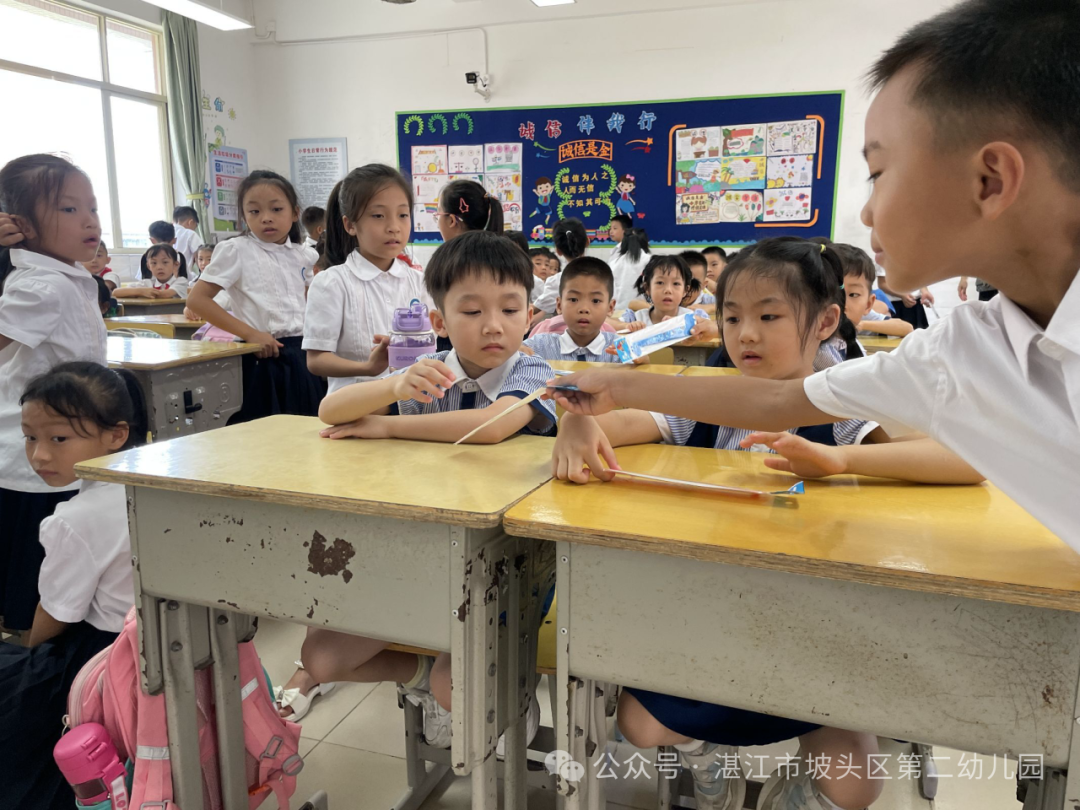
90	87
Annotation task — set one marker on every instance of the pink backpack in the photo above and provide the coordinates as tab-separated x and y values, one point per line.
107	691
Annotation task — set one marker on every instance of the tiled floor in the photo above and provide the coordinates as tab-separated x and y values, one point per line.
353	745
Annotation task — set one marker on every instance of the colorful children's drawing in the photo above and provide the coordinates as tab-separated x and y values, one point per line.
467	159
504	187
743	140
625	187
502	158
476	178
697	209
426	187
543	190
428	160
697	144
512	219
740	206
789	171
424	218
698	176
793	137
742	172
788	204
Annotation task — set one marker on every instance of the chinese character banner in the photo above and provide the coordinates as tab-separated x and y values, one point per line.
691	173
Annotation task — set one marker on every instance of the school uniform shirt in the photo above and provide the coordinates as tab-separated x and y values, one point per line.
518	377
349	304
86	575
108	274
991	385
676	430
705	299
626	273
553	346
872	315
830	352
50	311
645	315
545	301
265	282
177	284
187	243
309	242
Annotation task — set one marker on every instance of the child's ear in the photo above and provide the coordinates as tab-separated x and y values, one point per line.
116	437
611	306
558	306
828	321
350	229
1001	173
438	323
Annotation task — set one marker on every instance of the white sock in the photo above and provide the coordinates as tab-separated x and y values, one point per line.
689	747
420	675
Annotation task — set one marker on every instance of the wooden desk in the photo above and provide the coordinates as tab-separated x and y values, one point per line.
645	368
171	326
696	353
390	539
189	386
155	306
879	344
943	615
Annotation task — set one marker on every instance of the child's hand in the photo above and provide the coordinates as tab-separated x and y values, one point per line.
582	443
636	326
424	381
704	329
270	347
594	396
189	313
802	457
10	230
961	288
526	350
366	427
927	296
379	359
909	299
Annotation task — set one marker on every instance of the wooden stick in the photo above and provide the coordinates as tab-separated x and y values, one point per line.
784	501
534	395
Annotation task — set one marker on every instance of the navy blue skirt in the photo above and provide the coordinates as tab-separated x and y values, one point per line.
21	553
719	724
34	685
280	384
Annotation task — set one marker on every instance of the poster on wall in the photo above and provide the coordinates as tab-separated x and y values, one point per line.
315	166
228	166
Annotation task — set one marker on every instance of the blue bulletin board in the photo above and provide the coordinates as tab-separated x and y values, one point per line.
695	172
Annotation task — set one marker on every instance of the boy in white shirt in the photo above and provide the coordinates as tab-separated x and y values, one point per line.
996	126
585	301
314	221
186	223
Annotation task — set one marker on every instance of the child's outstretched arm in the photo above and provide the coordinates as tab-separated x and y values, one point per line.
922	461
742	402
894	327
586	441
424	381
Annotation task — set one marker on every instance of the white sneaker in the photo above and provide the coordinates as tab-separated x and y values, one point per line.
788	791
532	725
436	718
719	782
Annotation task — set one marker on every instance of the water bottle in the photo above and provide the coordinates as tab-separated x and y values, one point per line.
89	762
411	335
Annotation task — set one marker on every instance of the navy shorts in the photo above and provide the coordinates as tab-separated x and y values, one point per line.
719	724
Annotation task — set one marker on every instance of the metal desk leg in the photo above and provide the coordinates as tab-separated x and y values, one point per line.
228	703
421	779
516	677
566	688
185	645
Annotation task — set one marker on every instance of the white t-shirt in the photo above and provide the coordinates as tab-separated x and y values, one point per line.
187	242
86	574
50	310
177	283
545	301
991	385
626	273
265	281
351	303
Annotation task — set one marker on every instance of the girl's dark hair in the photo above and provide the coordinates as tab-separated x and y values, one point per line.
811	274
104	294
169	251
665	264
349	199
470	202
634	242
258	178
570	238
201	248
518	238
477	253
26	183
82	390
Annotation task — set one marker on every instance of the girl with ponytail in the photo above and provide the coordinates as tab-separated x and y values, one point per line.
465	205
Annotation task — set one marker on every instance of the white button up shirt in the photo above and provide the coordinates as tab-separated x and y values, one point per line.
265	282
351	303
991	385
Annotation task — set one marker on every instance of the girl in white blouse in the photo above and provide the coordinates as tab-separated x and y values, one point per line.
266	272
164	275
75	412
48	314
351	304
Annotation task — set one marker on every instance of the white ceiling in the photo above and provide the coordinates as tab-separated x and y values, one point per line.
315	19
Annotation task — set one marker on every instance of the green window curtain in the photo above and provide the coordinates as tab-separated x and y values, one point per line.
182	82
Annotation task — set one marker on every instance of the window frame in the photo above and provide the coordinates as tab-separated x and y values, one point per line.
108	90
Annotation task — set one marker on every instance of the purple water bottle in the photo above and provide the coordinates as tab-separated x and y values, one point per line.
411	335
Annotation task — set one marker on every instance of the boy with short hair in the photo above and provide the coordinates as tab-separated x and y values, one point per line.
186	220
99	268
717	258
585	302
859	276
699	266
996	126
314	221
162	232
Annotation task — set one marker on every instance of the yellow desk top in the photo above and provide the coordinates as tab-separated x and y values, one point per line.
149	354
963	541
645	368
282	459
714	344
880	344
708	371
172	320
